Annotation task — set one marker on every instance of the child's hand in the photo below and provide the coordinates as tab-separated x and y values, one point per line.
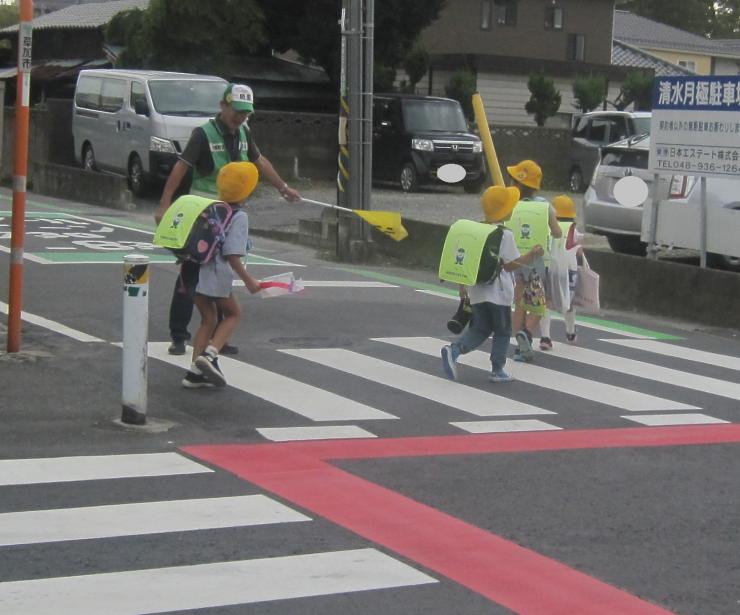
538	251
252	285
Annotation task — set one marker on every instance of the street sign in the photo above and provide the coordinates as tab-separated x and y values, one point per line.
695	129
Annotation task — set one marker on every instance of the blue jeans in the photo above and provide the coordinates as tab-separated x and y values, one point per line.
487	319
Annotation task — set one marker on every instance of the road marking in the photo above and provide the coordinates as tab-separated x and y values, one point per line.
95	467
311	402
504	426
681	352
440	390
327	432
674	419
610	395
161	590
336	284
53	326
28	256
137	519
641	369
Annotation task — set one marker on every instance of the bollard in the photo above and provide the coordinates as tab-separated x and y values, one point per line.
135	337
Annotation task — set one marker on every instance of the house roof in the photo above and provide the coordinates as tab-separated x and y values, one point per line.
627	55
88	15
643	32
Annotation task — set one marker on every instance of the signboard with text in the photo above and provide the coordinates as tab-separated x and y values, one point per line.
695	129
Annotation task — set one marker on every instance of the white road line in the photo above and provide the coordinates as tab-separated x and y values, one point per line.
673	419
641	369
53	326
308	401
29	257
95	467
181	588
681	352
54	525
453	394
324	432
336	284
610	395
504	426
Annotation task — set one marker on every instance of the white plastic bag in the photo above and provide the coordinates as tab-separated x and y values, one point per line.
280	284
587	288
558	293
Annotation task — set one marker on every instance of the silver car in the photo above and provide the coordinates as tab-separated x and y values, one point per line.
621	225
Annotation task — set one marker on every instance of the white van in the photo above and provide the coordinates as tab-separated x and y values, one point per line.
137	122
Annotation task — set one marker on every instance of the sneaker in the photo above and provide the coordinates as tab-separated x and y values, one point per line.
571	337
500	376
525	346
196	381
211	372
177	347
545	343
449	361
229	349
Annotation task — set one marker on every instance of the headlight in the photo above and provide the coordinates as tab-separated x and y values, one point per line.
161	145
477	147
423	145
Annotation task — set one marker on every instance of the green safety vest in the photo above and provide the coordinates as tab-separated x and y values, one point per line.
463	251
174	229
206	184
565	227
530	224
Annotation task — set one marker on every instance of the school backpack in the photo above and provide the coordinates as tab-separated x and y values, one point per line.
194	228
471	253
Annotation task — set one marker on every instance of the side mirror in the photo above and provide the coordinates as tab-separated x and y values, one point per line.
141	107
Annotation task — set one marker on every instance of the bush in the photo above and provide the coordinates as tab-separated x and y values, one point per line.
416	65
461	87
545	100
589	92
638	89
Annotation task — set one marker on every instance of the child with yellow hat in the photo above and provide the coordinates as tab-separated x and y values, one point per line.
491	301
235	182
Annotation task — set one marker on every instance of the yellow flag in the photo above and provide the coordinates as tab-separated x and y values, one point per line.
387	222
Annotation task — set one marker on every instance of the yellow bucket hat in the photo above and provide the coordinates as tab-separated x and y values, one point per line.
527	172
564	206
236	181
498	202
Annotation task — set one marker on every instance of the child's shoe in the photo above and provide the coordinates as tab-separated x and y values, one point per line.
500	376
449	361
196	381
208	365
524	340
571	337
545	343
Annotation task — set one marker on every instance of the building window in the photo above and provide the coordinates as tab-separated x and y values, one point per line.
486	10
553	18
577	47
506	12
690	64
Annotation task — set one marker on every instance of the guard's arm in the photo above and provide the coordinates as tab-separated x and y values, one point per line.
271	175
173	182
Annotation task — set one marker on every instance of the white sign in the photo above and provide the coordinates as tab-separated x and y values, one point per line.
695	128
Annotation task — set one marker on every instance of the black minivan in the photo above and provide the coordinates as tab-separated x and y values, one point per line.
413	136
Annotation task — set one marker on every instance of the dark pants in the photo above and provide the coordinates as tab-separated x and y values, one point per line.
181	306
488	318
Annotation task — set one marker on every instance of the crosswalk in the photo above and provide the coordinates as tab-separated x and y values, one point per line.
613	382
189	580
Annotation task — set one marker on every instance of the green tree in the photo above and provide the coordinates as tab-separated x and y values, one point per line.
8	16
638	89
461	87
589	92
311	29
726	19
545	100
416	64
690	15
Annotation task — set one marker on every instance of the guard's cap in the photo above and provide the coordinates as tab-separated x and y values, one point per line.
239	96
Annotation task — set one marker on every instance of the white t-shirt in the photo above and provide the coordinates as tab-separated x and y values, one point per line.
501	290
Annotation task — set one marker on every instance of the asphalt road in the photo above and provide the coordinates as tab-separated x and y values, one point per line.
339	471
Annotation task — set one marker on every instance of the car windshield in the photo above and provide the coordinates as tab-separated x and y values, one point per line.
186	96
623	157
433	116
642	125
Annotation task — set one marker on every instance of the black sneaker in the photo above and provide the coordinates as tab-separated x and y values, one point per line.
571	337
545	343
177	347
196	381
229	349
211	372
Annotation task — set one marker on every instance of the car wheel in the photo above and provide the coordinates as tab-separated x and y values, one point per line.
409	180
88	158
576	180
627	244
136	181
723	261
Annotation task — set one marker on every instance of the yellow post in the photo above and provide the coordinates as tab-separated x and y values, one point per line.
485	135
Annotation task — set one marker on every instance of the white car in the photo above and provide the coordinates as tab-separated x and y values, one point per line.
621	225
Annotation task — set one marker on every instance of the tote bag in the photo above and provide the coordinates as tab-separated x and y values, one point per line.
558	293
587	288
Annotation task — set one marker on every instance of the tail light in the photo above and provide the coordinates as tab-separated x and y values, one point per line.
681	186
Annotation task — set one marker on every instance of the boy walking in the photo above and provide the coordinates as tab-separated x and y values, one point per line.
491	301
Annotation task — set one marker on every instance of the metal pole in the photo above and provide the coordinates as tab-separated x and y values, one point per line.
20	174
652	246
367	109
135	334
354	80
342	136
703	223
